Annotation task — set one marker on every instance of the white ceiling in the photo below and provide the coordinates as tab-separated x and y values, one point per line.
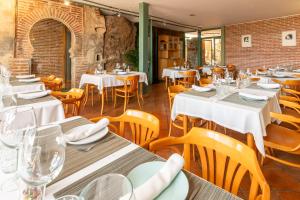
211	13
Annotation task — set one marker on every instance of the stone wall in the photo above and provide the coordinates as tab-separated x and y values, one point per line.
48	39
119	38
266	49
7	31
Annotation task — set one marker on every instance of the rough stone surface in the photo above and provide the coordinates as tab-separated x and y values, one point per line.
7	16
119	38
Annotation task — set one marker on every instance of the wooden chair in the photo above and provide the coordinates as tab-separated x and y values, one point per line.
218	70
55	85
172	92
290	92
232	69
48	78
292	84
144	126
283	139
224	160
205	81
89	88
130	89
189	78
73	97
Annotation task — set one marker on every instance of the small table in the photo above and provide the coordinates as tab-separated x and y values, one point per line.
47	109
173	73
246	117
22	87
109	80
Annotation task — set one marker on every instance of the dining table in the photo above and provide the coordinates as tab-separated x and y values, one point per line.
114	154
47	109
109	80
243	115
175	73
26	87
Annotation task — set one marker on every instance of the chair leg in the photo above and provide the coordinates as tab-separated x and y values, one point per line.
106	96
141	91
102	101
86	96
166	82
115	99
137	96
93	97
170	128
125	102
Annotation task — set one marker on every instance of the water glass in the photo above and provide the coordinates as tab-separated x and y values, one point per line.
109	187
42	158
70	197
8	159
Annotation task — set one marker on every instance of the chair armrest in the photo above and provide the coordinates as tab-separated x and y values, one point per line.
145	145
294	121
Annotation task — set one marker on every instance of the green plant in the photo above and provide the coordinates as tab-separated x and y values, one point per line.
131	57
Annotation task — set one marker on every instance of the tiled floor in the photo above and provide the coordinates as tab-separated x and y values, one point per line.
284	181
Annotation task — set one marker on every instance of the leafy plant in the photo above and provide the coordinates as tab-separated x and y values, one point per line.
131	57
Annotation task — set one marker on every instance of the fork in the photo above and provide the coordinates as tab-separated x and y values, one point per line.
86	148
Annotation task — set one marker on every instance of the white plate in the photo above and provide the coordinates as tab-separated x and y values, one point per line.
93	138
122	73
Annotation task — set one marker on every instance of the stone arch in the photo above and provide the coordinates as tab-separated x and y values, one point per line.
24	46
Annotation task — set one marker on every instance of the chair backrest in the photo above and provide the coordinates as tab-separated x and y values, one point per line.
172	91
143	126
55	84
218	70
205	81
292	84
51	77
189	77
77	93
131	83
224	160
231	67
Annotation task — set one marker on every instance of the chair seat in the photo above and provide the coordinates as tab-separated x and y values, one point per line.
281	138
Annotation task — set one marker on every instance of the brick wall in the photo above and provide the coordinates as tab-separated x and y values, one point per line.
48	38
266	49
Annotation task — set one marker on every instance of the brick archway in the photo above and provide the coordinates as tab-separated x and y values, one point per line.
24	46
70	16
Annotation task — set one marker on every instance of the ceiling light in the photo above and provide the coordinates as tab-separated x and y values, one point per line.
192	15
67	2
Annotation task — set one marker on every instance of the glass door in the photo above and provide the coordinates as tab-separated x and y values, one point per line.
211	51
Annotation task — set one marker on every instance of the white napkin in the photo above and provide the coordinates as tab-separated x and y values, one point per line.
279	75
269	85
253	96
34	95
201	89
159	181
79	134
26	76
261	73
29	80
296	70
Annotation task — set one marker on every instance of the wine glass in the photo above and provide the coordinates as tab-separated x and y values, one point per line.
15	122
109	187
42	159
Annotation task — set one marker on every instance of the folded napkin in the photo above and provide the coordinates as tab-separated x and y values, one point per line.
34	95
279	75
261	72
25	76
159	181
269	85
201	89
253	96
76	134
29	80
296	70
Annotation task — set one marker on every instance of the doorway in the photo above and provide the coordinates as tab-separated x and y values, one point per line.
211	47
51	41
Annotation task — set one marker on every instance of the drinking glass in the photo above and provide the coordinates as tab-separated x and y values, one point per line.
109	187
42	159
70	197
14	124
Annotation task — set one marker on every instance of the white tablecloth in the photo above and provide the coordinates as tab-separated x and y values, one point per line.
28	87
46	111
238	117
175	73
108	80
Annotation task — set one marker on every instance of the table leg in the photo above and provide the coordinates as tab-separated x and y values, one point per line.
102	101
141	91
187	148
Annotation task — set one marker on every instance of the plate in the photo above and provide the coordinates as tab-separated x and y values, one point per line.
122	73
177	190
93	138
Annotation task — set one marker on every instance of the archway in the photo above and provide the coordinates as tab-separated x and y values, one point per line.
51	42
